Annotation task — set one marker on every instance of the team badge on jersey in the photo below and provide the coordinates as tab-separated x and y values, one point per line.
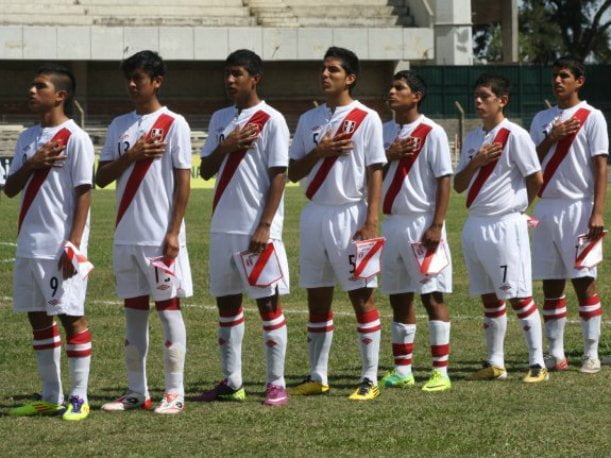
157	133
348	126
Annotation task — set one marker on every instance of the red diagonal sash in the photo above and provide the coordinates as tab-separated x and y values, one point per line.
349	125
261	263
160	130
38	178
234	159
562	149
404	166
501	137
374	249
586	251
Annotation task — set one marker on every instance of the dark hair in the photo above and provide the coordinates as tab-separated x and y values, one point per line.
349	61
149	61
498	84
415	82
63	80
247	59
574	65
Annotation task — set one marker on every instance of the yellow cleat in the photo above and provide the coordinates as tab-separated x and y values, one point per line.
536	374
37	408
365	392
437	382
309	387
77	409
489	372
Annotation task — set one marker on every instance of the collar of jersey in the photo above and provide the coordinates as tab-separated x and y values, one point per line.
150	115
247	112
412	125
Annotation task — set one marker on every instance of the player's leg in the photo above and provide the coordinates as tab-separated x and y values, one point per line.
554	318
590	314
439	337
274	343
403	332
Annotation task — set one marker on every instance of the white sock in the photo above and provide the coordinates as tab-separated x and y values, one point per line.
320	338
47	345
495	328
403	336
175	345
136	348
439	336
554	317
231	334
369	332
78	350
530	322
275	341
590	312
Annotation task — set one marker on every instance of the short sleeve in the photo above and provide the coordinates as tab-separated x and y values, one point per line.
537	131
524	153
211	141
17	161
439	153
463	159
109	151
297	149
597	134
180	144
277	142
374	141
80	150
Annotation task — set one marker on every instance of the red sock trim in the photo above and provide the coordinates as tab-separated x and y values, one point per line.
224	314
137	303
401	349
170	304
368	317
318	318
593	300
268	316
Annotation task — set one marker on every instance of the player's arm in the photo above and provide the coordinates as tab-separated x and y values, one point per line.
182	189
239	138
82	203
49	155
259	239
327	147
558	131
486	154
534	182
596	223
144	149
432	236
369	230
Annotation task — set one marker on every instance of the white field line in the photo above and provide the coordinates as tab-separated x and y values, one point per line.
7	260
8	244
456	317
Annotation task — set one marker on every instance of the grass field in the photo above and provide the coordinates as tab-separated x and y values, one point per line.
569	415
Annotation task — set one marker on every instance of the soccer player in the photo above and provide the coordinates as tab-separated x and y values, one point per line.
338	155
148	152
247	150
573	146
416	191
53	166
498	168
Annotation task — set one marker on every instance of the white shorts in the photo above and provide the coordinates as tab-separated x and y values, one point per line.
497	254
554	240
400	269
132	272
225	278
325	257
38	286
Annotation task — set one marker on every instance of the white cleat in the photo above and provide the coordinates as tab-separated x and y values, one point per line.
590	365
129	401
171	404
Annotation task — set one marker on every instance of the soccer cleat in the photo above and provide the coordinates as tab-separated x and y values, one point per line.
171	404
590	365
394	380
536	374
489	372
37	408
365	392
555	364
77	409
309	387
437	382
221	392
129	401
275	395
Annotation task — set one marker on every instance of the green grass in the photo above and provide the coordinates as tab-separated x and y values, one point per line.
569	415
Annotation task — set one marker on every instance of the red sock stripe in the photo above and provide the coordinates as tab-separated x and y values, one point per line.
229	324
400	349
224	314
274	326
493	305
78	353
269	316
79	345
137	303
440	350
444	363
403	361
590	301
592	314
525	307
47	333
83	337
555	317
170	304
321	329
48	346
47	338
553	304
368	317
314	318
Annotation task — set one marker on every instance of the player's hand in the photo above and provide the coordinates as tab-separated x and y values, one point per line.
330	146
170	247
562	129
432	237
240	138
368	231
259	239
596	225
49	155
401	148
65	266
147	148
487	154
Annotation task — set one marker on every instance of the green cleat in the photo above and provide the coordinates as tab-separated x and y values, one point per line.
394	380
77	409
37	408
437	382
221	392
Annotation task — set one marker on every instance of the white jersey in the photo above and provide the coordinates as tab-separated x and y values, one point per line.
346	181
240	202
504	190
417	191
146	219
573	179
47	223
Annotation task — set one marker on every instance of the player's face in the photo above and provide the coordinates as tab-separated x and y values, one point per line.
564	82
42	95
333	77
239	83
401	95
487	103
141	87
